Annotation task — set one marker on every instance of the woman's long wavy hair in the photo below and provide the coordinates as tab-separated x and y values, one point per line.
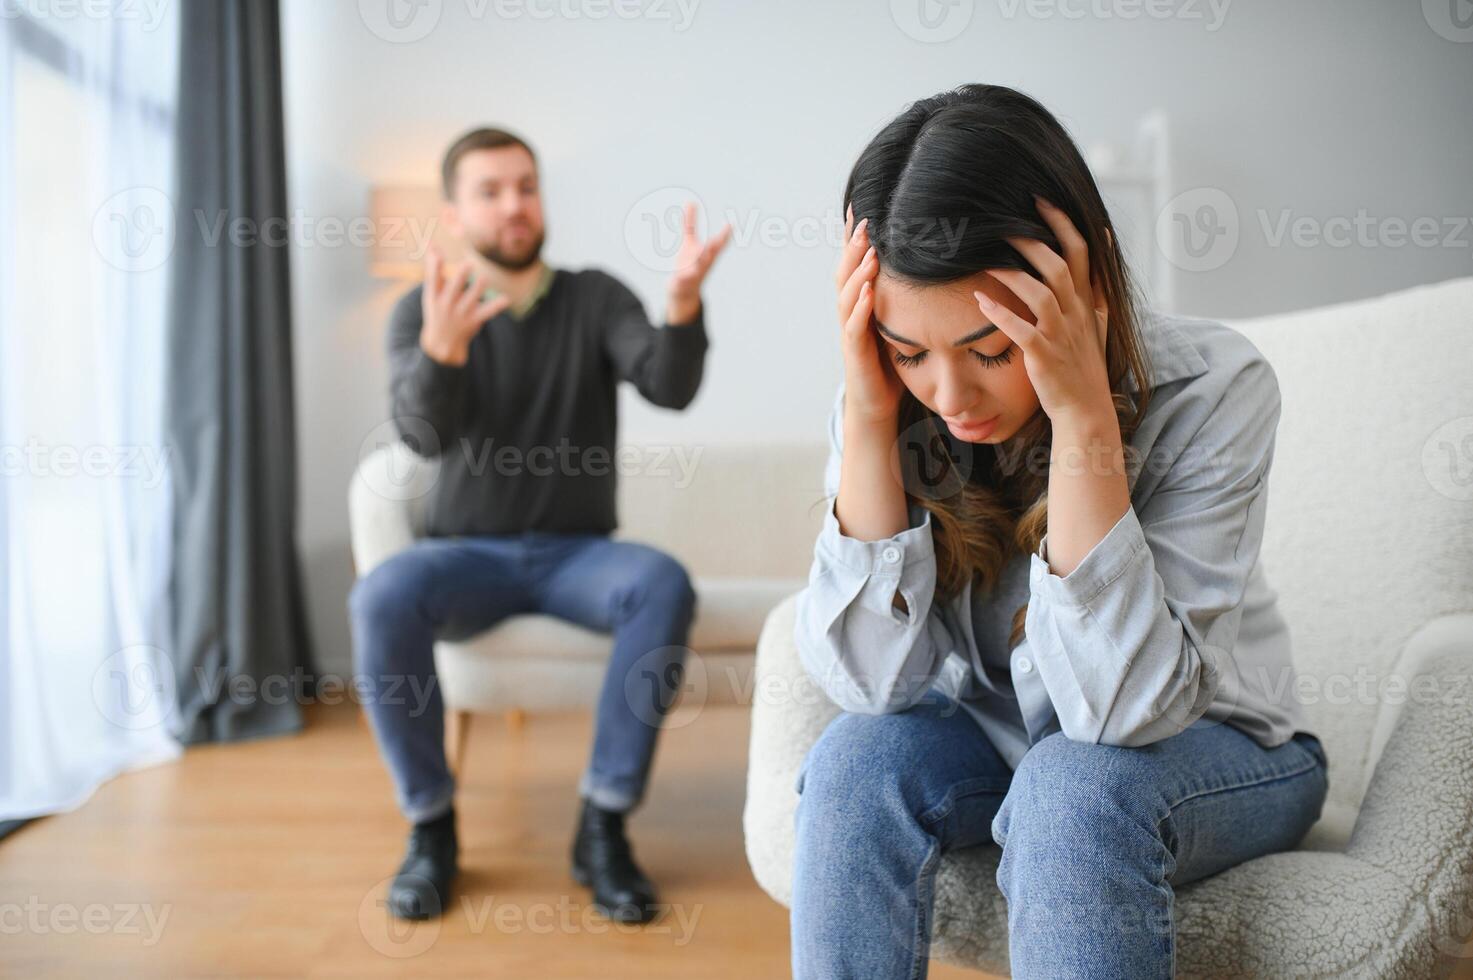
944	185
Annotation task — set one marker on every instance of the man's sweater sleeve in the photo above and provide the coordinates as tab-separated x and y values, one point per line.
421	387
664	363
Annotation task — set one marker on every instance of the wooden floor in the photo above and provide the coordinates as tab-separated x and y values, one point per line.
270	859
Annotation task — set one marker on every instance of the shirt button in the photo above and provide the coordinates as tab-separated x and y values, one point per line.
891	554
1024	665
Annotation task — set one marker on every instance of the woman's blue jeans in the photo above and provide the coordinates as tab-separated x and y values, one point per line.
1094	837
455	587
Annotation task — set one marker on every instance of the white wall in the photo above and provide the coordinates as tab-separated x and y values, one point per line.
1306	110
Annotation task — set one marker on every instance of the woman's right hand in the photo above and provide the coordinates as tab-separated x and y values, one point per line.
872	389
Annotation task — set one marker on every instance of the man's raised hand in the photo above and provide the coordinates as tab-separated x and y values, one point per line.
453	310
692	262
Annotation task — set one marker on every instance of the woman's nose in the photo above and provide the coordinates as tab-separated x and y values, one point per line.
954	395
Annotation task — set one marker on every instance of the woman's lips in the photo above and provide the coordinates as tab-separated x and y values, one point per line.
973	430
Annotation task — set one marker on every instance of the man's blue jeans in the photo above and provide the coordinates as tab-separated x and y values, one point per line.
455	587
1094	837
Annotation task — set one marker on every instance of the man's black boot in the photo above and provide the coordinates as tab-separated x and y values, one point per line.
602	860
421	887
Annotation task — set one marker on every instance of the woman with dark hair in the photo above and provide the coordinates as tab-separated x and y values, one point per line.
1037	594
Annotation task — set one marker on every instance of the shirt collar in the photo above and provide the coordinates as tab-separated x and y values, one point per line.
1172	356
544	283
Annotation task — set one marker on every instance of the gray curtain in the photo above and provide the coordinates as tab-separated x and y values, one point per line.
239	638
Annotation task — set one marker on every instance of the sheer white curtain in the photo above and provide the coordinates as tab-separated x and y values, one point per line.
86	229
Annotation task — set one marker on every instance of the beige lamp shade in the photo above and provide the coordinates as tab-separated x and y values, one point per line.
406	220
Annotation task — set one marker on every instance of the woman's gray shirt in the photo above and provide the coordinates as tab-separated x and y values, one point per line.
1168	621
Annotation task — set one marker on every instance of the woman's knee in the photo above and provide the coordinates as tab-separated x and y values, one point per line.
1069	789
860	766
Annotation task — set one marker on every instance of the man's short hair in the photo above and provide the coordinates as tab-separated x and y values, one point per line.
485	138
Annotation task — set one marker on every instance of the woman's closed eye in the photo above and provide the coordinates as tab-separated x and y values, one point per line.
995	360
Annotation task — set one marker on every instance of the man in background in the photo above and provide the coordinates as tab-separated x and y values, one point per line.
503	354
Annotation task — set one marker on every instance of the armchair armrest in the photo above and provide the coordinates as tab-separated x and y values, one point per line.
789	713
386	501
1416	821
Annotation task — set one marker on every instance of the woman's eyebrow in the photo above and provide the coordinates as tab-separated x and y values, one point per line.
970	338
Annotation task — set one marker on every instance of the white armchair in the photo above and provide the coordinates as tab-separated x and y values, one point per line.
1370	548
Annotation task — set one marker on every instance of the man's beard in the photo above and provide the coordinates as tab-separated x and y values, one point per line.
512	262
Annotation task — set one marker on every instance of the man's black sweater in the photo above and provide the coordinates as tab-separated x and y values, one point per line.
526	429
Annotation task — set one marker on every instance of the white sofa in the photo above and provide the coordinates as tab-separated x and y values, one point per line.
1370	547
741	518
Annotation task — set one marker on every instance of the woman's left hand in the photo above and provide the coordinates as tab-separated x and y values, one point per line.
1064	351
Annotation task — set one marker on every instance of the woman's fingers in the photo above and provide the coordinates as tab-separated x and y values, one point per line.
1076	252
1055	270
1038	297
1102	311
1017	329
856	328
864	271
852	253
